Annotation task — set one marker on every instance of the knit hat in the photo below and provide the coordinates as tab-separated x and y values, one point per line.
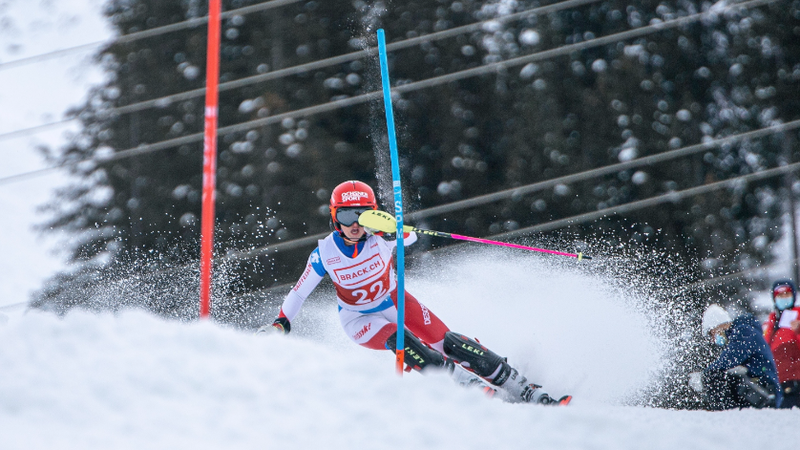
714	317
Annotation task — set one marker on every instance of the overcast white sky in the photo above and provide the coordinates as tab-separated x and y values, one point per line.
32	95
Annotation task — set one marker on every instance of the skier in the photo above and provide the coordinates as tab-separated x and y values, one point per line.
782	332
744	375
359	262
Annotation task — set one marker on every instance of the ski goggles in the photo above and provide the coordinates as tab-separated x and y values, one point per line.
349	216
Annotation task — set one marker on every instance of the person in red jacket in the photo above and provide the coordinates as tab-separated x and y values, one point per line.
782	333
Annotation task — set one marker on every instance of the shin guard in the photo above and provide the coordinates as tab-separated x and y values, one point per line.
480	359
418	356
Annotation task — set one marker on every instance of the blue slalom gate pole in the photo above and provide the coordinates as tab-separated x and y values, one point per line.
398	204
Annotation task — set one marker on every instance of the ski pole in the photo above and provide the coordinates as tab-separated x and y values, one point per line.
382	221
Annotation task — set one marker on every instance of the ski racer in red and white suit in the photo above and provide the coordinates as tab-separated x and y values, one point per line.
782	333
361	267
366	290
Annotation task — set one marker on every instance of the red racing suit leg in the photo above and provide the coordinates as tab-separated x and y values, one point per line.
371	330
422	322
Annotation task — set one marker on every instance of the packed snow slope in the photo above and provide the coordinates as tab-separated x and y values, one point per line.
135	381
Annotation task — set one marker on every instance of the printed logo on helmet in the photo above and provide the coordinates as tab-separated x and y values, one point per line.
353	196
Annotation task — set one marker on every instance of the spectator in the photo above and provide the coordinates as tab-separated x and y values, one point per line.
744	375
782	332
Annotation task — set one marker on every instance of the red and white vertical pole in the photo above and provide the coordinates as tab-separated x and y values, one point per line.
209	156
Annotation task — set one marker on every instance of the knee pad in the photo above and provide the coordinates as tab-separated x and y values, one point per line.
418	356
481	360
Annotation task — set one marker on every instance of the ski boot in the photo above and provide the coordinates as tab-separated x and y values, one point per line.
494	368
520	390
465	378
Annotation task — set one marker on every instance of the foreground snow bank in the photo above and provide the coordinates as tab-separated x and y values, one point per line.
134	381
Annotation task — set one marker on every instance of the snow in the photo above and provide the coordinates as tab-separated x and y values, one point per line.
529	37
132	380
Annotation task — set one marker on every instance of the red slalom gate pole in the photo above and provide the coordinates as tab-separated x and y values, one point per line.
209	156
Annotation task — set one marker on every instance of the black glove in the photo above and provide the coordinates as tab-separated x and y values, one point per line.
281	325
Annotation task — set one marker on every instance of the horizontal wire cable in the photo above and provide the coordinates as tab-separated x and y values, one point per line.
35	129
305	112
549	226
127	38
28	175
582	176
702	284
122	40
500	66
348	57
483	199
670	197
12	305
165	101
363	98
49	55
600	171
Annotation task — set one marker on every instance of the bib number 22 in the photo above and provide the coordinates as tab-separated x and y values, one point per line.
376	291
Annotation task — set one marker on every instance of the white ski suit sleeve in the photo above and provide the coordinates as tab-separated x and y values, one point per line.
408	239
312	275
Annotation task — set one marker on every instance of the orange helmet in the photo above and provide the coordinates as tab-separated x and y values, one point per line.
348	200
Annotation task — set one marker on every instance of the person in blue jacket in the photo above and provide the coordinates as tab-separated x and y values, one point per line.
745	374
